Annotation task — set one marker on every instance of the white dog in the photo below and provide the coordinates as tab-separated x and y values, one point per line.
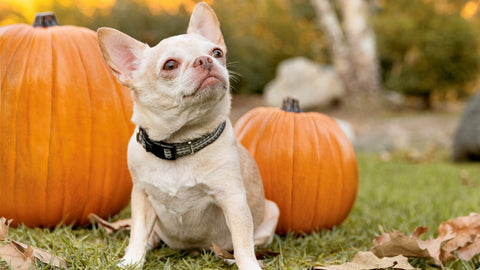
193	182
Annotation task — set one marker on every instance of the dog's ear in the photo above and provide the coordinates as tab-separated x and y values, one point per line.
121	52
204	22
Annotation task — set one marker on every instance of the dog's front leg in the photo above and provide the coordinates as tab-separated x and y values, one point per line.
143	220
239	221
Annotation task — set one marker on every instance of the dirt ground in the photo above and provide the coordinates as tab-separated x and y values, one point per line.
383	126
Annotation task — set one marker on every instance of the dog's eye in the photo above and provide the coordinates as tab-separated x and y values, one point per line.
217	53
170	65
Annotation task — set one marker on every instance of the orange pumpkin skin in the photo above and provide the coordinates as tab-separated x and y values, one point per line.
64	128
307	164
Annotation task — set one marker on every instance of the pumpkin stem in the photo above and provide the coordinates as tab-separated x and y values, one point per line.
291	105
45	19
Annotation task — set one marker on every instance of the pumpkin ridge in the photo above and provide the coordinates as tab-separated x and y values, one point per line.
292	181
61	211
122	97
16	184
317	180
341	175
6	160
245	120
87	82
52	82
288	122
319	177
272	117
262	128
16	50
37	104
61	36
279	169
322	202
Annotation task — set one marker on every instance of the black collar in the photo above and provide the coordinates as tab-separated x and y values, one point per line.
172	151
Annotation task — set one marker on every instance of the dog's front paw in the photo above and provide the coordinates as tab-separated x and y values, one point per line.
129	262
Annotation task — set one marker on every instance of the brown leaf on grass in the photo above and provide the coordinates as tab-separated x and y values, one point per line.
434	246
467	180
396	243
467	233
265	253
119	225
468	252
230	259
17	258
259	254
222	253
22	256
42	255
4	224
458	237
368	261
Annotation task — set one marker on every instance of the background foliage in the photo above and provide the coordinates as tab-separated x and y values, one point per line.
424	51
425	47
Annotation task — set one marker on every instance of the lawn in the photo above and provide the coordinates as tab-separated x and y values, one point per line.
394	193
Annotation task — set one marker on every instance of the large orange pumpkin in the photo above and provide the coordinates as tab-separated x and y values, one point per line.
64	126
307	164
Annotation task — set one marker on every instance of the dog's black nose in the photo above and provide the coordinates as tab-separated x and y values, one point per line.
203	61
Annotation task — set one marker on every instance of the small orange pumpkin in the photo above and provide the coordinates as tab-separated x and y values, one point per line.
307	164
64	126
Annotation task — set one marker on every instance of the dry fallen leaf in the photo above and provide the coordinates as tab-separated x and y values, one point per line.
22	256
16	258
368	261
265	253
4	224
456	237
396	243
230	259
467	180
120	225
468	252
43	256
222	253
467	232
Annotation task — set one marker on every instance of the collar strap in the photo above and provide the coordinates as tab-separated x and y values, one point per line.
172	151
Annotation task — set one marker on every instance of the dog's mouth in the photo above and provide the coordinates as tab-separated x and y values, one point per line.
210	82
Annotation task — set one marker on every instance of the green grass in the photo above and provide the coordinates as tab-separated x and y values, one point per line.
395	194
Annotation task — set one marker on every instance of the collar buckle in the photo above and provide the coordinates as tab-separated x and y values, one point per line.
167	151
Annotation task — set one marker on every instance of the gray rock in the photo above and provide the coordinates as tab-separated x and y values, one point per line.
466	142
313	84
347	128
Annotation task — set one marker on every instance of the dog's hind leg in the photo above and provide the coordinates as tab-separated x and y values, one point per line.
155	237
266	230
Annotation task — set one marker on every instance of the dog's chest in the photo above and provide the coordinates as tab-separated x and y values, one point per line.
175	190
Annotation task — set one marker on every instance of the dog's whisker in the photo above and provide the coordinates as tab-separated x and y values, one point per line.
234	76
232	64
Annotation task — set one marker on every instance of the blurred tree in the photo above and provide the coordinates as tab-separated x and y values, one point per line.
128	16
10	15
261	33
424	51
352	47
